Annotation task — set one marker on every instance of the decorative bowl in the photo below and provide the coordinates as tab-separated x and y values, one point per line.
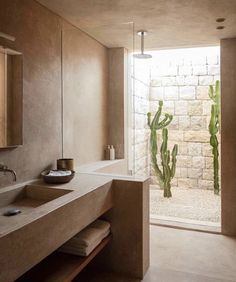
57	179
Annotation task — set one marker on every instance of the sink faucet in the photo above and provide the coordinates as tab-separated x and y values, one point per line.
4	169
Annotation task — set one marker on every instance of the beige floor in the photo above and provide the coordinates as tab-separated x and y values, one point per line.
185	256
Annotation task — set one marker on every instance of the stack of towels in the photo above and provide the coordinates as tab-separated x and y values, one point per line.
88	239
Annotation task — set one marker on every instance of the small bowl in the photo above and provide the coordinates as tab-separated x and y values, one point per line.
57	179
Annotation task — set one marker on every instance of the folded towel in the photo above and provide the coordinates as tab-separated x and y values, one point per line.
94	232
81	250
59	172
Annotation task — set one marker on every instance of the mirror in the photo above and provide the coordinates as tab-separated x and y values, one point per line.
11	94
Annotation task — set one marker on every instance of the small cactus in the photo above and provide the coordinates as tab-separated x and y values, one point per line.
214	127
168	170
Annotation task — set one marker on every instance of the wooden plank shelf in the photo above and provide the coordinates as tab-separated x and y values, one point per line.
61	267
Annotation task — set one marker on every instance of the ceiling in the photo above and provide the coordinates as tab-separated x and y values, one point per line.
170	23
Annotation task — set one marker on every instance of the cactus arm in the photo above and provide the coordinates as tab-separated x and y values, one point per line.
149	118
211	92
214	127
174	160
157	116
165	122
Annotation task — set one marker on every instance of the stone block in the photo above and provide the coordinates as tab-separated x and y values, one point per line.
141	106
181	108
196	136
198	162
206	80
187	183
167	70
200	70
141	150
191	80
157	93
183	172
180	80
175	135
214	69
198	123
174	125
141	90
209	162
141	135
206	106
156	82
187	92
194	173
140	121
195	108
184	161
169	81
171	93
185	70
194	149
169	107
207	149
206	184
208	174
184	122
202	92
182	148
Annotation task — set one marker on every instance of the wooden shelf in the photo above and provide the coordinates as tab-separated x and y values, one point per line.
61	267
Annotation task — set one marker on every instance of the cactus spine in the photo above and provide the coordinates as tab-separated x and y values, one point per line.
214	127
168	170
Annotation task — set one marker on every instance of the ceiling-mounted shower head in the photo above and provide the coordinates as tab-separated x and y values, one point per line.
142	33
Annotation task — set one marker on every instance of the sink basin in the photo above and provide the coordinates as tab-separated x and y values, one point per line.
28	197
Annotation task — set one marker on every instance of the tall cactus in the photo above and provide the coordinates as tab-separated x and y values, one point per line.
168	170
214	126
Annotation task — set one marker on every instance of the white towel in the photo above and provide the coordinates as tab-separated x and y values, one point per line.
59	173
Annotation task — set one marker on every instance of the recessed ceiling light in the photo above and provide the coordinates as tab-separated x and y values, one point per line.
220	27
220	20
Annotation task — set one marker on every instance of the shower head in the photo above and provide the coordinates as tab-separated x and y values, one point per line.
141	55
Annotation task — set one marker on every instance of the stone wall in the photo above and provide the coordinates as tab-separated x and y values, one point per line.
141	89
182	82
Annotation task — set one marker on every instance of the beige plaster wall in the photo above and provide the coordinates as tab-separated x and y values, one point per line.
116	110
228	135
38	37
85	72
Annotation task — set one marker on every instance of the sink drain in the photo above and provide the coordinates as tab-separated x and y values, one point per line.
12	212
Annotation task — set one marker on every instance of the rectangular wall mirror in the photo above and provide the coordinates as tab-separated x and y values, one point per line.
11	98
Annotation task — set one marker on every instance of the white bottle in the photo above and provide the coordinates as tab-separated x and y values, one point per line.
112	153
107	152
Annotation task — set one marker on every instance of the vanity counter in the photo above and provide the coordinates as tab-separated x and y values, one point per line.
29	237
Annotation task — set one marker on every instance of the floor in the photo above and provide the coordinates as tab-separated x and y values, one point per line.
184	256
191	204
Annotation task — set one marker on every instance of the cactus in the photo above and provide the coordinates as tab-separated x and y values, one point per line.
214	127
168	171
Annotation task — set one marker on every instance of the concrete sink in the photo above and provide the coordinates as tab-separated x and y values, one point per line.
28	197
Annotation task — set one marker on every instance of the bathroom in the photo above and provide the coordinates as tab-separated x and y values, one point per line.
73	102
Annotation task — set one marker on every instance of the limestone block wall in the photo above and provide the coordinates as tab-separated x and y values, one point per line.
183	83
140	146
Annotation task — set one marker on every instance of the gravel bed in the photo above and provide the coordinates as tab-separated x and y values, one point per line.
194	204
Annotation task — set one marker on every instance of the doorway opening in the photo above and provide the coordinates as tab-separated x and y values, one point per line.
181	79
